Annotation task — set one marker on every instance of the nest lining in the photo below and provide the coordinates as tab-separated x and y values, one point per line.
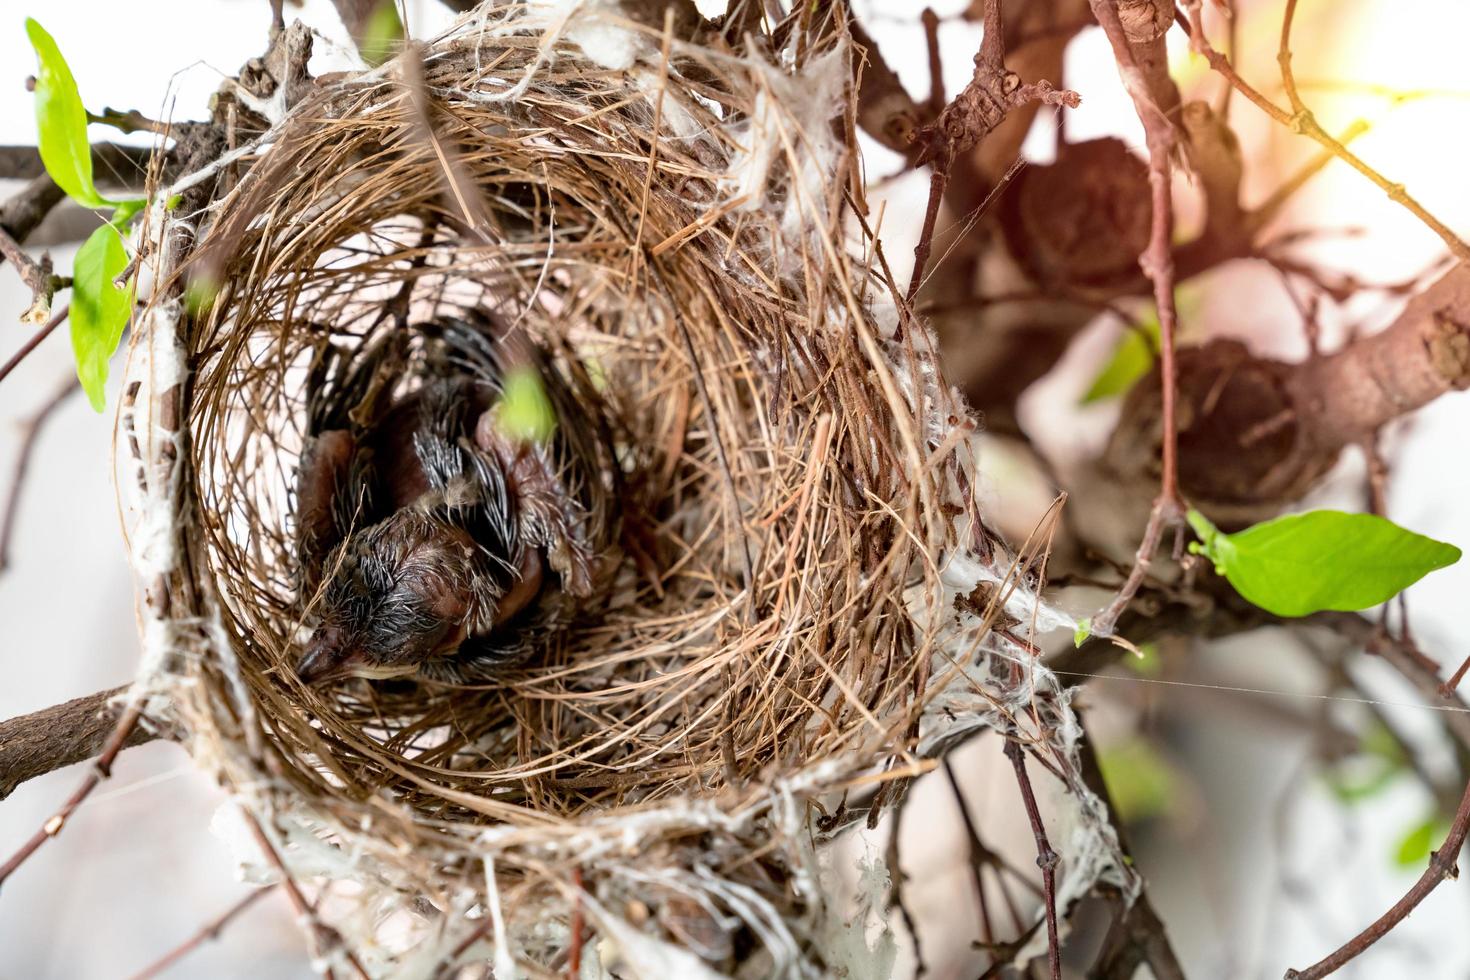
791	474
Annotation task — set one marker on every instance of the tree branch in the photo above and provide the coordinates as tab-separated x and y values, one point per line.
1443	864
1423	354
210	931
35	341
885	109
1137	934
113	164
1046	858
1300	120
22	463
61	735
1140	61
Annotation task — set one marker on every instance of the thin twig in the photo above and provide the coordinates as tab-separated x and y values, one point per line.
35	341
1158	264
973	114
896	880
930	20
1046	858
101	769
1299	119
210	931
320	936
35	274
977	851
32	429
132	121
480	931
1137	933
1443	864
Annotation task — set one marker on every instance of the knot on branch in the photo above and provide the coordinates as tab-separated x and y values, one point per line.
1447	342
1145	20
1302	122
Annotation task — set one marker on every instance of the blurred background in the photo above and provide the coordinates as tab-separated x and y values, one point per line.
1257	856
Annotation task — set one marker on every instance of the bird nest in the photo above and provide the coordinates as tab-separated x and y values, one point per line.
799	603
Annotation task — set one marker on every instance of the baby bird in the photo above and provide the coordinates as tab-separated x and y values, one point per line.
432	540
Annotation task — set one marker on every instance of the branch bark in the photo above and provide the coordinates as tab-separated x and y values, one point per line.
1423	354
113	164
1137	935
1443	864
61	735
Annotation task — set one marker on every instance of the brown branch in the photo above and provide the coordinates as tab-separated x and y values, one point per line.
1299	119
23	212
976	111
1157	262
896	882
321	937
977	852
32	428
1443	864
1453	683
885	110
210	931
1046	858
1422	355
37	276
930	20
34	342
113	165
61	735
131	121
1137	934
101	769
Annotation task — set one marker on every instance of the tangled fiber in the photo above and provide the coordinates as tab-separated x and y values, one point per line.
804	608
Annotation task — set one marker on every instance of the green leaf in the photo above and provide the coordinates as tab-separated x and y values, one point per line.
61	122
382	35
1417	844
1324	559
1131	360
99	309
1139	780
1082	632
525	413
127	209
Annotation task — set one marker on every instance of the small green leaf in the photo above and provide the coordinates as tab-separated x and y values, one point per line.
1417	844
99	309
1131	360
382	35
1082	632
127	209
61	121
1324	559
1139	780
525	413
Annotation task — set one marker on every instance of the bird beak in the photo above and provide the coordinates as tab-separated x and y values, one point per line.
323	661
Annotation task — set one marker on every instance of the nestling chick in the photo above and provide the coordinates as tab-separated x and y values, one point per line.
427	534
